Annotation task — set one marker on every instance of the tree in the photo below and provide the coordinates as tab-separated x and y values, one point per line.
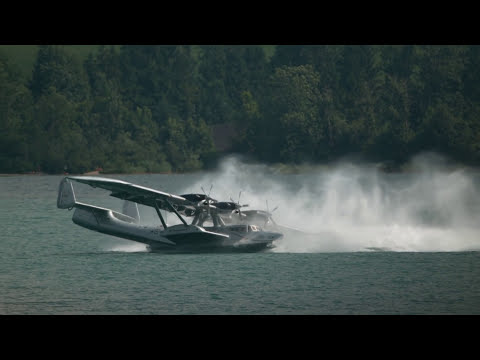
63	146
54	67
15	117
443	130
292	116
215	105
186	142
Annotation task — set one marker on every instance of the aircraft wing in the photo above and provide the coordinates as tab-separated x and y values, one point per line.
136	193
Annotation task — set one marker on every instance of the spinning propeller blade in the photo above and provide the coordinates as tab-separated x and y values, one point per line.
208	200
269	214
239	206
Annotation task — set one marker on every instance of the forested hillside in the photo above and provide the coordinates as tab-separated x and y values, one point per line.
147	108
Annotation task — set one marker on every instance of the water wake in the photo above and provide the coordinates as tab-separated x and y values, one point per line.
357	207
128	247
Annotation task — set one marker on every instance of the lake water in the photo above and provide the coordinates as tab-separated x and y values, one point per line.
377	244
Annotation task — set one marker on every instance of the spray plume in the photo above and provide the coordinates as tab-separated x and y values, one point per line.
357	207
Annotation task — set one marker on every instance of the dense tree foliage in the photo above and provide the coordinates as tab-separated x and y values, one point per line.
152	108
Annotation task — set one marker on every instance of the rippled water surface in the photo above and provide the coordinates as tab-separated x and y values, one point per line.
376	244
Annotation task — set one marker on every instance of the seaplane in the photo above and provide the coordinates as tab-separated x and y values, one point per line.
207	232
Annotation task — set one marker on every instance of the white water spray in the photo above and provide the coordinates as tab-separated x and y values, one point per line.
128	247
351	207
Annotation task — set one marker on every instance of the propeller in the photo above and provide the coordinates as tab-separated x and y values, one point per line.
269	214
239	206
208	200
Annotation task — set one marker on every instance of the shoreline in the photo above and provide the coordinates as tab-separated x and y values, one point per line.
433	162
274	169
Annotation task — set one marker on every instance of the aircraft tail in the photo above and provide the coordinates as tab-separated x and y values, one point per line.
66	196
66	200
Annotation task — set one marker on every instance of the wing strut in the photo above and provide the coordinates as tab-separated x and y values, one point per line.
175	211
160	215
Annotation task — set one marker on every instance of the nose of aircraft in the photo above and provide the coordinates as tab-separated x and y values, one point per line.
275	236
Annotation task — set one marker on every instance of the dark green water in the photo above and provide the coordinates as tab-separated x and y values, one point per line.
387	246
